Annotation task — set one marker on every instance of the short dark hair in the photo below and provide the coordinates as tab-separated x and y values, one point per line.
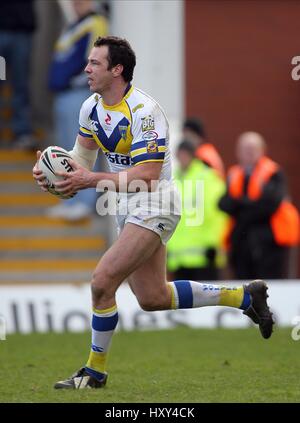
186	145
119	53
195	125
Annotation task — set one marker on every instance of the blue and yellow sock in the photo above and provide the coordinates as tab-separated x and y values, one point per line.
104	323
190	294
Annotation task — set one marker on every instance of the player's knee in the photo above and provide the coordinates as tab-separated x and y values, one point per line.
98	292
105	275
101	286
157	302
148	305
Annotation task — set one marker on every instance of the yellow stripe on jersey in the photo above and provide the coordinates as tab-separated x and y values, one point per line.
134	153
138	151
86	131
148	161
124	145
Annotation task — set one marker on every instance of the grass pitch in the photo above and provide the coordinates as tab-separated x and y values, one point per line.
179	365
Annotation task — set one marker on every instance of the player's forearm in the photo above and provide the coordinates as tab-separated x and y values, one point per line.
102	177
84	152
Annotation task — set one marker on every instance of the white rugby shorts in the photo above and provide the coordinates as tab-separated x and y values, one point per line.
158	211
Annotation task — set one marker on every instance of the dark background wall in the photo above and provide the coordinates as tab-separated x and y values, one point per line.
238	75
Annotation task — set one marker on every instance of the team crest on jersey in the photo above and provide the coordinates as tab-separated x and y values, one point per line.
151	141
123	131
148	123
152	146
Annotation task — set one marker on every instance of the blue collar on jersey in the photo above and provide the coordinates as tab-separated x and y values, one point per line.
127	89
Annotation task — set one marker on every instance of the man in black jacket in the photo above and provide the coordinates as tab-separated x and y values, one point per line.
255	189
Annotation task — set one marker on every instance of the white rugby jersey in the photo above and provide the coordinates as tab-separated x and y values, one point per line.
132	132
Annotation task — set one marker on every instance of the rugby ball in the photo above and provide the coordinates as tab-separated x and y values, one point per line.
55	159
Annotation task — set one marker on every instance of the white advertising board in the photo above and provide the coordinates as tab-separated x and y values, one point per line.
60	308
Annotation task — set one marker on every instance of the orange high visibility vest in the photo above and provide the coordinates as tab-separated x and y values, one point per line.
285	221
208	153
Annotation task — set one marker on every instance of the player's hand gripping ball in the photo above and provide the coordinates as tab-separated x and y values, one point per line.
55	159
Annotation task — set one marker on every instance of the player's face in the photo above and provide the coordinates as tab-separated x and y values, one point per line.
99	77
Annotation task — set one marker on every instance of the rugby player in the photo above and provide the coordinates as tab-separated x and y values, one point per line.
132	130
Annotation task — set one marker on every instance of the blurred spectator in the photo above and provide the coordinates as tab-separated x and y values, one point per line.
17	24
194	131
69	83
194	251
264	223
